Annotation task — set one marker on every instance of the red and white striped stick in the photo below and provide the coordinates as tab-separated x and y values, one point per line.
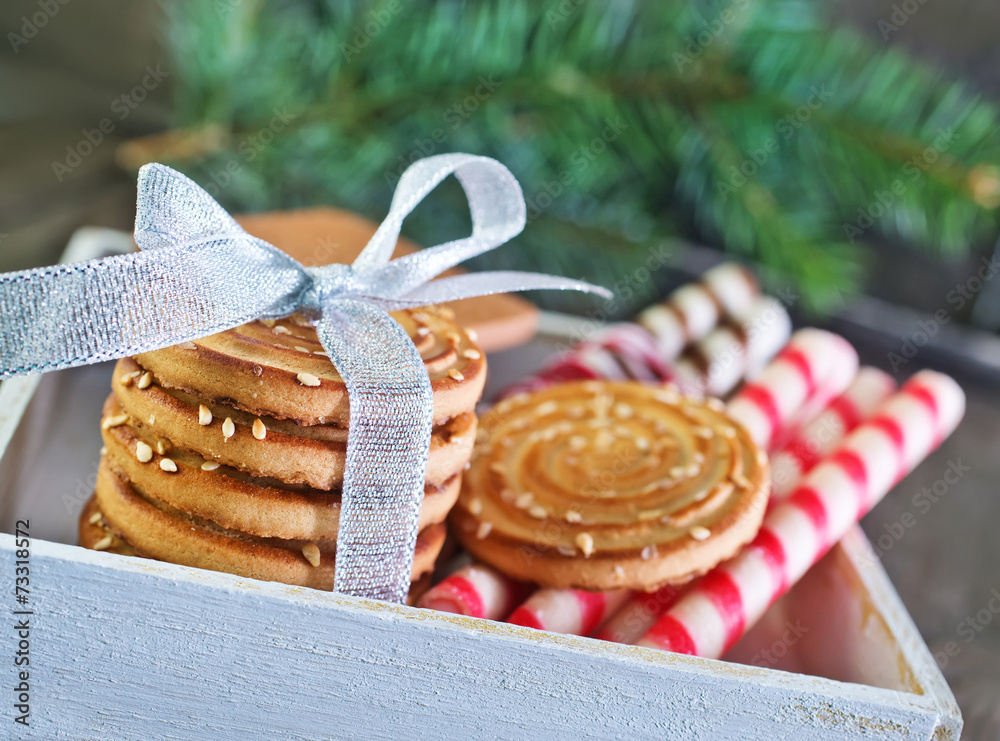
817	438
570	611
477	591
812	360
716	611
735	350
638	614
690	312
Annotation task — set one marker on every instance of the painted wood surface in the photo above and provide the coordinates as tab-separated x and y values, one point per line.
131	649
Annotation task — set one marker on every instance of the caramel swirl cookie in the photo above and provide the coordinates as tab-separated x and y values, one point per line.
279	369
605	485
137	523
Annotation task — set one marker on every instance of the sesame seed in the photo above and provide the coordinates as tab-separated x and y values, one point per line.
577	442
423	331
476	506
619	571
447	312
507	495
257	370
259	430
566	550
168	465
228	428
585	542
204	415
161	447
94	518
187	346
545	408
472	334
484	529
302	349
143	453
524	500
308	379
705	433
312	554
642	443
573	516
420	316
472	354
715	404
623	410
576	411
648	552
700	533
742	481
692	470
104	543
104	450
282	330
538	512
126	380
116	421
676	472
209	466
322	352
146	381
456	374
729	432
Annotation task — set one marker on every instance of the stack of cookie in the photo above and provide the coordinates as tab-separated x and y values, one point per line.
228	453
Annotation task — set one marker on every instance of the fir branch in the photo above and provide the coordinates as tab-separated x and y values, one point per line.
692	88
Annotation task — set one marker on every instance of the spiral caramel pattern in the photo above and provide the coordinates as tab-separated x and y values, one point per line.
604	485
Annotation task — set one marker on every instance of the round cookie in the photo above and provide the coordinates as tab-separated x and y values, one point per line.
606	485
158	531
237	501
292	453
94	534
279	369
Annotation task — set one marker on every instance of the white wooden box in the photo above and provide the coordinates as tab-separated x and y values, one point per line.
124	648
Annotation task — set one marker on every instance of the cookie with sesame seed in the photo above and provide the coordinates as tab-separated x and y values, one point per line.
264	507
149	527
278	369
282	449
609	485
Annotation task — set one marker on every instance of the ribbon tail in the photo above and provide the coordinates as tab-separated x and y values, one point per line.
484	284
72	315
391	415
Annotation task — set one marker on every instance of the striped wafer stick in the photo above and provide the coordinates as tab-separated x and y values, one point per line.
734	350
477	591
690	312
619	352
817	438
773	400
570	611
716	611
639	613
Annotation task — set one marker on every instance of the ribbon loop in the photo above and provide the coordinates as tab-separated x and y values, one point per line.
199	273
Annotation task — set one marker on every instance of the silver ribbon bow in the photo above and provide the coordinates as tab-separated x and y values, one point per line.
199	273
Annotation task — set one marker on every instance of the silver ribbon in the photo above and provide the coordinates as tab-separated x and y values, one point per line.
199	273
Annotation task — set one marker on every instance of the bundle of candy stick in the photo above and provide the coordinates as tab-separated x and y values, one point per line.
835	433
721	328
